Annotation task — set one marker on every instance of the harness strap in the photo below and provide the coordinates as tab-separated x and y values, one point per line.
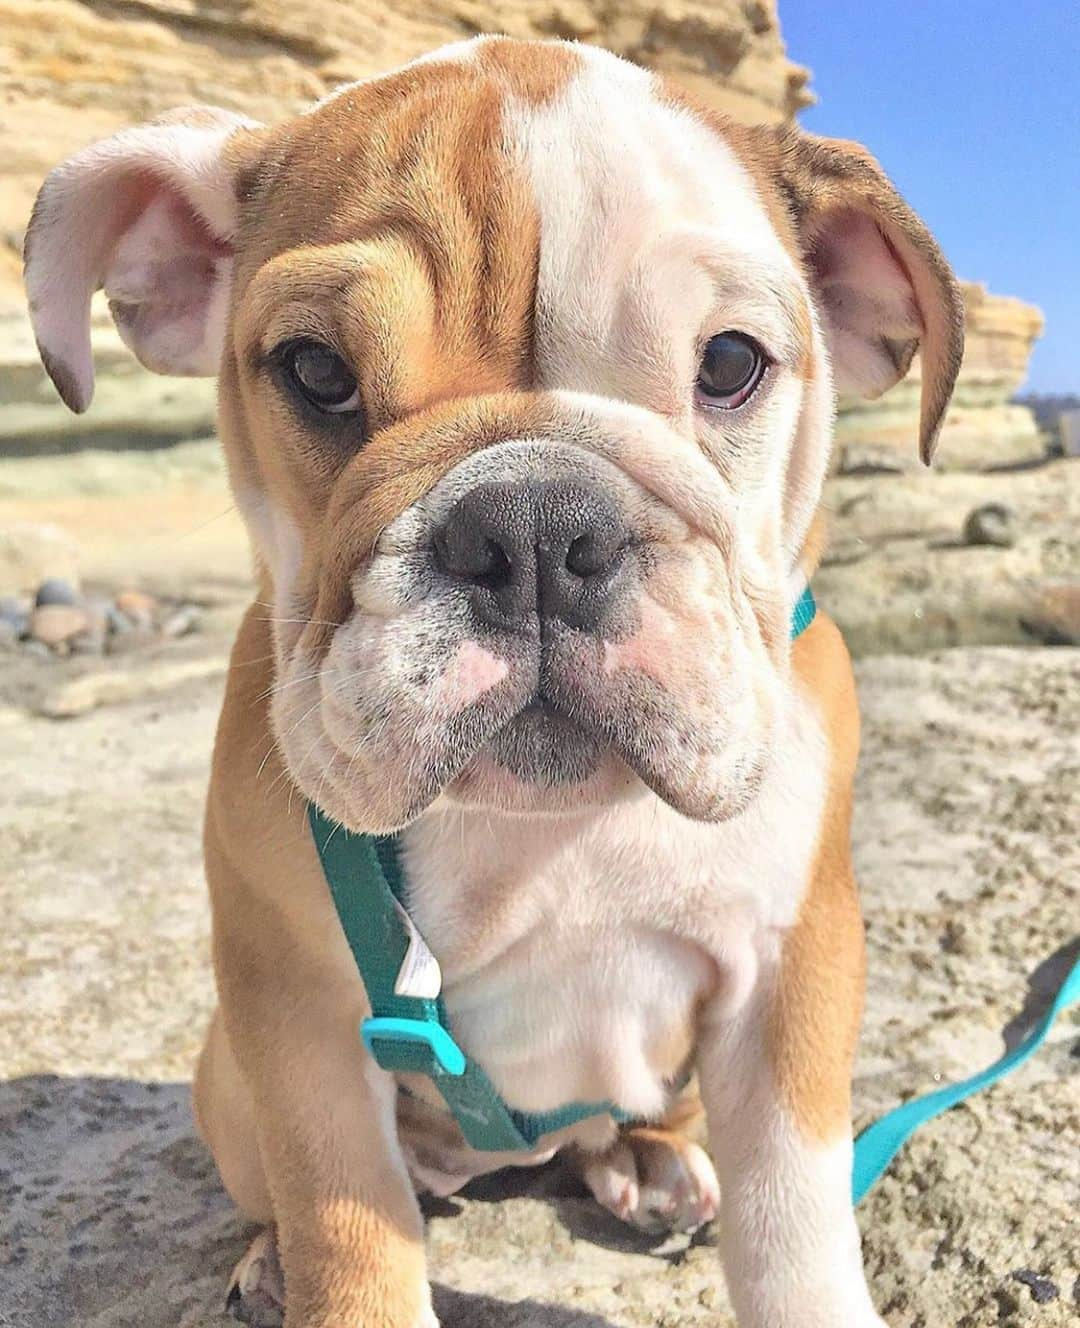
803	613
408	1031
880	1142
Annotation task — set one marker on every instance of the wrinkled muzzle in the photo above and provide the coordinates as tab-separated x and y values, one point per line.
531	603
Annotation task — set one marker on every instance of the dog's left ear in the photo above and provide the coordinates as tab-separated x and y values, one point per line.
883	285
148	214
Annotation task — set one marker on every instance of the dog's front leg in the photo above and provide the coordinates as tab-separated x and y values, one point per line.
302	1126
775	1080
349	1233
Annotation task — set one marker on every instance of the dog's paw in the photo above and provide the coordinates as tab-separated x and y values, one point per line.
256	1294
655	1180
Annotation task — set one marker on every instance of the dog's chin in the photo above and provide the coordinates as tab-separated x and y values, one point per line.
543	763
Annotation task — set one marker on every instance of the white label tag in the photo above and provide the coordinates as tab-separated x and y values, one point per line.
419	974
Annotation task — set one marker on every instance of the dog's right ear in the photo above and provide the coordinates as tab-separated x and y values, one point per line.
149	215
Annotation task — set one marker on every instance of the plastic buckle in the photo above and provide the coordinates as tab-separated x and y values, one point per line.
395	1042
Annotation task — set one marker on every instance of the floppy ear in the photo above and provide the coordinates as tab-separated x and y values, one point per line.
149	215
883	285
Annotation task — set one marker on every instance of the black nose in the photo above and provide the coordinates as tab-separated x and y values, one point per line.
554	548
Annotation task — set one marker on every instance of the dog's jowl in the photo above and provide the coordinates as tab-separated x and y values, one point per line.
527	368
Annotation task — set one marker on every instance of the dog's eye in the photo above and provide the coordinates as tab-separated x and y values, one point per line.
322	377
731	367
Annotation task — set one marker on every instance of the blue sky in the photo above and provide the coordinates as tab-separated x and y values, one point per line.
974	111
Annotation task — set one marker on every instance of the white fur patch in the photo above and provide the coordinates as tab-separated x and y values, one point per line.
605	930
653	238
612	168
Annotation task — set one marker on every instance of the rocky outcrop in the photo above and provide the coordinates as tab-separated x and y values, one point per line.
131	405
983	427
70	70
924	560
73	70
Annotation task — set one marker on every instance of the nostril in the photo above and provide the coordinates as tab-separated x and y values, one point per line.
590	554
534	551
492	568
468	554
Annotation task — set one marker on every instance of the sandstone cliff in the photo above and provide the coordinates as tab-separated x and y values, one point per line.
73	70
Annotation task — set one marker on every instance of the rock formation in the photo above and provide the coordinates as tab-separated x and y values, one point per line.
76	70
72	70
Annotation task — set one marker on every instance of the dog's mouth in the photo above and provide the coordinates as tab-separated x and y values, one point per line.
572	723
543	759
543	745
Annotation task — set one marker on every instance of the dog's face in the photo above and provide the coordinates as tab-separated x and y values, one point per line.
526	386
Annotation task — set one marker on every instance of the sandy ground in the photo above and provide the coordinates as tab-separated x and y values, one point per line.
110	1211
968	856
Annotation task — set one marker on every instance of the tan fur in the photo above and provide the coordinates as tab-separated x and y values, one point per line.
818	1004
422	274
535	74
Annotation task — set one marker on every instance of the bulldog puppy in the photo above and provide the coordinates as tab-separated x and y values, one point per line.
527	367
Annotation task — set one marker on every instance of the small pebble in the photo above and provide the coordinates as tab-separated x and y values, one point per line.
137	606
181	621
16	611
55	590
56	624
117	623
1043	1291
991	523
9	636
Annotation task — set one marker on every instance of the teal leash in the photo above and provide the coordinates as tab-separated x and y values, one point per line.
880	1142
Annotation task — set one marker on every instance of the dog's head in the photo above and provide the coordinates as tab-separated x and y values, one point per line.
527	369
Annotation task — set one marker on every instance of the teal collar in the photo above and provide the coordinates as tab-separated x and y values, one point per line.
804	612
408	1030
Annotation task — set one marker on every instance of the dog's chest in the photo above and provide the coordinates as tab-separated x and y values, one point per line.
576	954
